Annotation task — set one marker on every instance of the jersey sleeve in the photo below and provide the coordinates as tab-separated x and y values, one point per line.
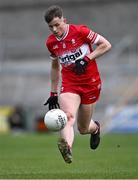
88	35
52	54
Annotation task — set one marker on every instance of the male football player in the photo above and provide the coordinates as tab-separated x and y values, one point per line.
70	46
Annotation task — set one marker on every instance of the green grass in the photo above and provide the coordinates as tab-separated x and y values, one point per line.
36	156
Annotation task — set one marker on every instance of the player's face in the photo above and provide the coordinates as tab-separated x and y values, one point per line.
57	26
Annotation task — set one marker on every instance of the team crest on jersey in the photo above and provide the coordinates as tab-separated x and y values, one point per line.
64	45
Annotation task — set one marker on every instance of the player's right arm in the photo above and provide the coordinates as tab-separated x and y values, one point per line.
52	101
55	73
55	66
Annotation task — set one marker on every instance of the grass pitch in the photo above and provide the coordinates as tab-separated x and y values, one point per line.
35	156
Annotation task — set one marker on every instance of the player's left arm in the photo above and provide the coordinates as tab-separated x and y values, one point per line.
102	46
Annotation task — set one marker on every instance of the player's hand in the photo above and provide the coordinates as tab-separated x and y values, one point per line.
80	65
52	101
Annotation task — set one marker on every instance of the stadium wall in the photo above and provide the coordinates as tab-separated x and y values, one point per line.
23	29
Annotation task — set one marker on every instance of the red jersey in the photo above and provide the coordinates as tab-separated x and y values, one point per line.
75	44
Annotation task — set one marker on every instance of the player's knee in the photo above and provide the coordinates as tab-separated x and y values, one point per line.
82	130
70	118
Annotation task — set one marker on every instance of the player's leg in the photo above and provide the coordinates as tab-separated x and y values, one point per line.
69	103
85	123
87	126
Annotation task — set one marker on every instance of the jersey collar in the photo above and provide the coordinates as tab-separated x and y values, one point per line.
65	34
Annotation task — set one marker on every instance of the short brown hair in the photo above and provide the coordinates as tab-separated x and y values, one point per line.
53	11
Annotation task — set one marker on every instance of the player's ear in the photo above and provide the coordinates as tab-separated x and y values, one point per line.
65	20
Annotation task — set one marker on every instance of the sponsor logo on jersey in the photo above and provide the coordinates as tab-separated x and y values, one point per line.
94	97
69	58
55	46
73	41
90	35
